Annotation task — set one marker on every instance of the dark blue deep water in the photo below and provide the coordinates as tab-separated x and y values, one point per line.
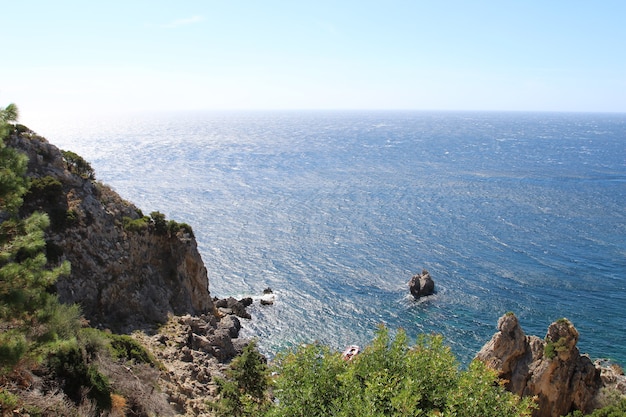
336	210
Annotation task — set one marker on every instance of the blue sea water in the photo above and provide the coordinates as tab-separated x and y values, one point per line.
521	212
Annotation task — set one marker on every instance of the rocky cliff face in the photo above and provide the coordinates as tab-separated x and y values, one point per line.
124	278
550	369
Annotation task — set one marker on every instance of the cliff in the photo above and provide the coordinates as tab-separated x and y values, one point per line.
551	369
124	278
128	272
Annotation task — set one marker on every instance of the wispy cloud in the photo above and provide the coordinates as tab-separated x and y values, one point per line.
183	22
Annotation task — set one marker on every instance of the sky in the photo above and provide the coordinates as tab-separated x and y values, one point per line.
134	56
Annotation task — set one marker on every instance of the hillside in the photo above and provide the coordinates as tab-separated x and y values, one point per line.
124	277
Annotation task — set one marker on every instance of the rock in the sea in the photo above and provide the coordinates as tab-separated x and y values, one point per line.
232	306
267	299
552	370
422	285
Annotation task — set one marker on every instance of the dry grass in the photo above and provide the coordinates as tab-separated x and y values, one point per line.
137	387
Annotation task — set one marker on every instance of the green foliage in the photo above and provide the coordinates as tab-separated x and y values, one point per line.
169	228
135	225
8	402
13	346
48	188
63	321
549	351
77	165
618	409
125	347
157	220
7	115
389	378
30	316
13	182
244	392
23	277
70	364
307	380
552	349
94	342
477	394
160	224
46	194
174	227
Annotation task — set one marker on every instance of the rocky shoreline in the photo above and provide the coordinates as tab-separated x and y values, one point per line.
193	351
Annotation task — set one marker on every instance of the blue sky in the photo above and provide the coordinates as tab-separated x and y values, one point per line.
126	56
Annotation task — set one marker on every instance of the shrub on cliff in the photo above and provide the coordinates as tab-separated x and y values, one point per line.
136	225
389	378
156	220
78	165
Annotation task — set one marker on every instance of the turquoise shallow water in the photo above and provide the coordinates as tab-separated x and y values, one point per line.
336	210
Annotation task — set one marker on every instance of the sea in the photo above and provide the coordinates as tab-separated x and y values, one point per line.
336	210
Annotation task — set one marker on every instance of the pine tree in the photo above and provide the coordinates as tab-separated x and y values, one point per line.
13	182
244	392
30	315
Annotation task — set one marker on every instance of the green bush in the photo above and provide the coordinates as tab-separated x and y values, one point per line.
174	227
244	392
47	188
614	410
8	402
62	321
389	378
13	346
160	224
169	228
70	365
549	351
77	165
135	225
552	349
125	347
71	217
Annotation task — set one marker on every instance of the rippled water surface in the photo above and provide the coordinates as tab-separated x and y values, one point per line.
336	210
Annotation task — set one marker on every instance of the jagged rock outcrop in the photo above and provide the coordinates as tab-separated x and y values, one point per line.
552	370
124	278
422	284
232	306
193	351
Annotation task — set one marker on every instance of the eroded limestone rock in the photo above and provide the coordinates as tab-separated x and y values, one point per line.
550	369
123	279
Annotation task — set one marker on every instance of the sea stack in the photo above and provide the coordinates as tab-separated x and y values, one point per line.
422	285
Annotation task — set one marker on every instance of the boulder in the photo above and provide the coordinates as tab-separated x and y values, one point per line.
422	285
232	306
